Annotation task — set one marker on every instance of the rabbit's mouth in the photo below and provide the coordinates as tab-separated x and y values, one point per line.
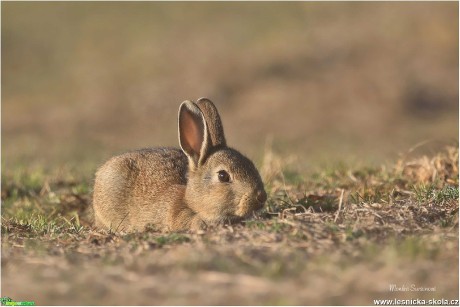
236	217
246	207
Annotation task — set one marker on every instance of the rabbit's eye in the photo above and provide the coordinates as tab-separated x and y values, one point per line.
223	176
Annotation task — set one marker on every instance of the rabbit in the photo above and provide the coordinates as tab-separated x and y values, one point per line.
203	183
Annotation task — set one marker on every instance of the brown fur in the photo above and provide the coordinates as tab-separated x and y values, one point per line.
179	190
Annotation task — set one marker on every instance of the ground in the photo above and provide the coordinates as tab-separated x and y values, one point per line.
341	236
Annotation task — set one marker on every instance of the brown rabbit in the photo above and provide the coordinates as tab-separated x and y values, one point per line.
204	183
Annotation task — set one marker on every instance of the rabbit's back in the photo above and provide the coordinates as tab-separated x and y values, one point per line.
139	187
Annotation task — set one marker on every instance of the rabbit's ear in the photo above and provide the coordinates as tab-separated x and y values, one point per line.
193	133
215	128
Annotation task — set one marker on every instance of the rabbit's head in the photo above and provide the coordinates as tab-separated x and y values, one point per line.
222	184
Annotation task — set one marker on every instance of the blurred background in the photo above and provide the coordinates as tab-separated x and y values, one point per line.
327	81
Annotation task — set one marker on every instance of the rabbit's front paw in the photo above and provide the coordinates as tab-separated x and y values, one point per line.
198	224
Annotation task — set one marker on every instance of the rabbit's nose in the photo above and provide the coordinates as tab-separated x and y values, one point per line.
261	196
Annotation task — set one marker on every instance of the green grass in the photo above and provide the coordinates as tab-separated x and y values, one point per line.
173	238
432	194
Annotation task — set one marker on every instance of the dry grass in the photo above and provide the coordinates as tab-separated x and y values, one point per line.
339	237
